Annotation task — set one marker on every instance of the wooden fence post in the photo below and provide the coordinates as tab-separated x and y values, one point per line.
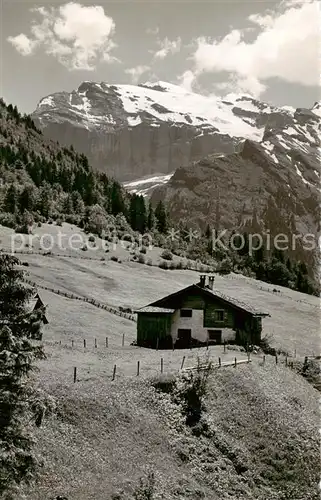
85	343
264	359
295	353
114	372
207	343
235	362
75	375
123	341
219	362
96	343
162	365
276	359
183	361
72	344
106	341
286	361
138	365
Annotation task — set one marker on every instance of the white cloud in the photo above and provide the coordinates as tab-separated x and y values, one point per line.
238	85
23	44
187	80
136	72
286	47
78	36
152	31
167	47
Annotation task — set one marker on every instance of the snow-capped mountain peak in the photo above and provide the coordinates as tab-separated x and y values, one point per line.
155	103
134	131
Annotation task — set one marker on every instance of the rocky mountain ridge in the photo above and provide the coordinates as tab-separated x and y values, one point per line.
271	186
134	131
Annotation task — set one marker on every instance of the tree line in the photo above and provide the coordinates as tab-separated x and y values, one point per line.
57	182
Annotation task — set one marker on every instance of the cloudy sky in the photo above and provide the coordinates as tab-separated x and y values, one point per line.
266	49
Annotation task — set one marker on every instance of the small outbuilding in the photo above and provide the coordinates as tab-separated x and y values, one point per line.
34	303
198	315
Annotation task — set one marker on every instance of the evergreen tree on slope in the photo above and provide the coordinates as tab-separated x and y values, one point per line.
20	406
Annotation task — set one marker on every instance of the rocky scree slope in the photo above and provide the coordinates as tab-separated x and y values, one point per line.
271	185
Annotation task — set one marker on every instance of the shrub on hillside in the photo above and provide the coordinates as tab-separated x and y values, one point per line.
141	259
145	490
163	264
225	266
265	345
7	219
26	223
188	391
73	219
167	255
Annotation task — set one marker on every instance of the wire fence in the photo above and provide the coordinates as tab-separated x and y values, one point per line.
94	302
170	362
197	268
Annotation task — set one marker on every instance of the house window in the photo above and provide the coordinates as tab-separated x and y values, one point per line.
219	315
186	313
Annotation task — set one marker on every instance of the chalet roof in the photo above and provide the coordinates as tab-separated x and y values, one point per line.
31	303
151	309
233	301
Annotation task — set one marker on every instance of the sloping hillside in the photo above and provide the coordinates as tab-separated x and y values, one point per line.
261	440
295	317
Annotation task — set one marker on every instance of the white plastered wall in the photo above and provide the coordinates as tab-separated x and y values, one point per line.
195	323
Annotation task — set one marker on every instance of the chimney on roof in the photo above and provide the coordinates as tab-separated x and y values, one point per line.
202	280
211	282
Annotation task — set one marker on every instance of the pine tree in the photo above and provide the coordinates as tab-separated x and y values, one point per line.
117	200
150	217
10	203
78	203
19	402
27	198
45	199
161	217
68	206
137	213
